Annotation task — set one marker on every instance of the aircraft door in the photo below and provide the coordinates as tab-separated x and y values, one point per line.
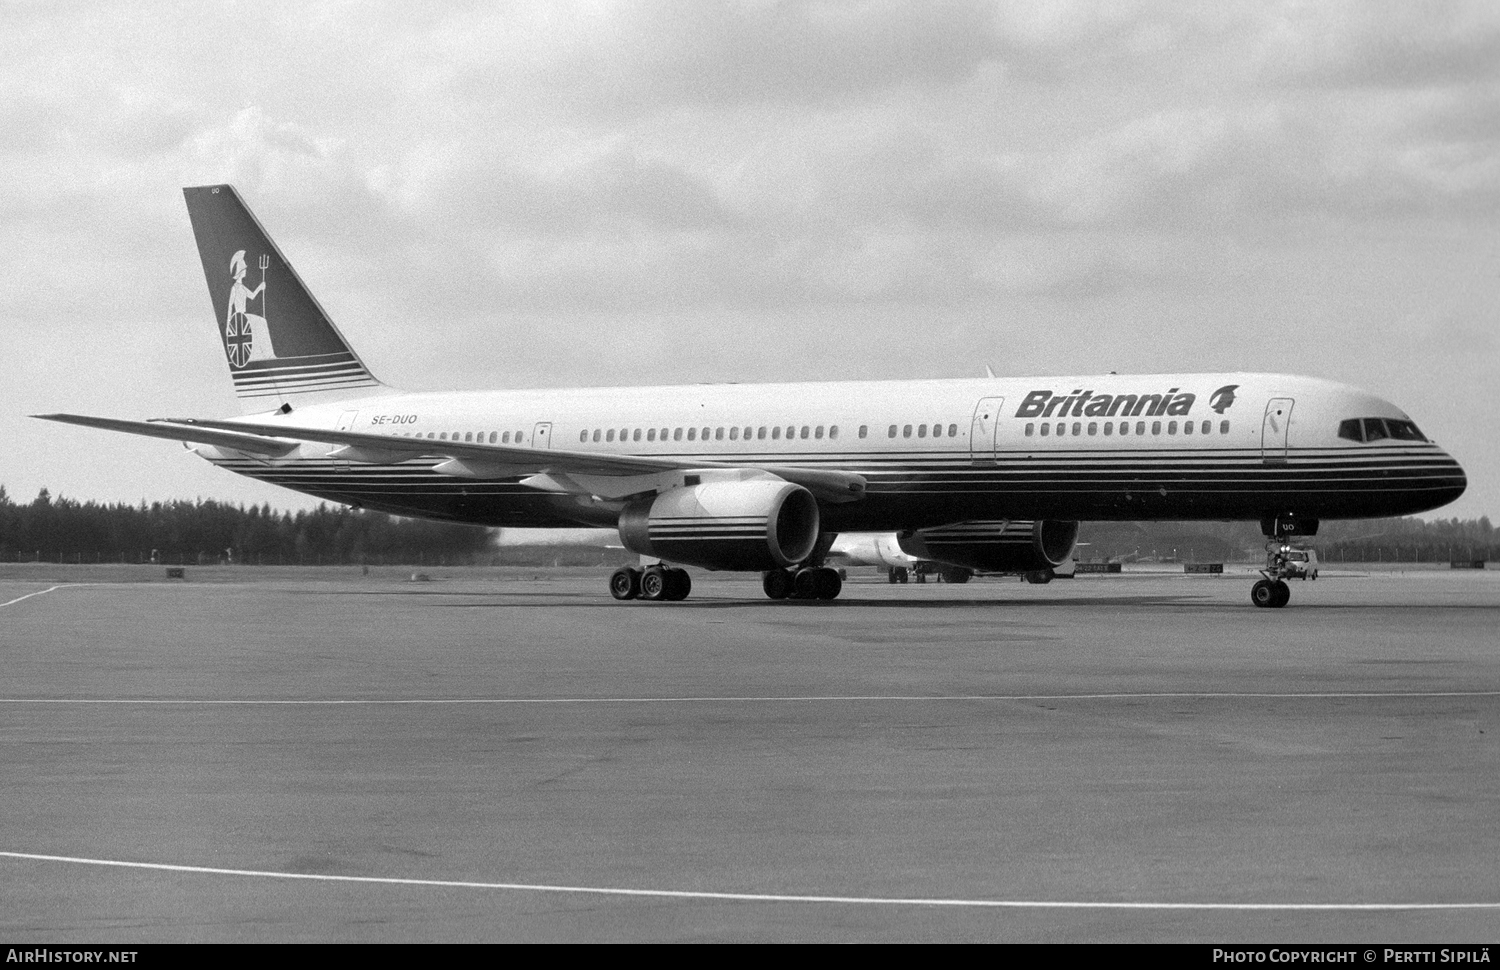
983	429
346	423
541	435
1273	430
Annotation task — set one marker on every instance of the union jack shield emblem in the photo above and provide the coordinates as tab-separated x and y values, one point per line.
238	340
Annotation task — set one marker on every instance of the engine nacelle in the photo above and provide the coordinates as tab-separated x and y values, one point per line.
1020	545
753	524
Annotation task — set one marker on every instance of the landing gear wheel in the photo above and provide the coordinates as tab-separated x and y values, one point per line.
1283	594
777	583
1039	577
625	584
830	584
654	584
1263	593
679	585
899	574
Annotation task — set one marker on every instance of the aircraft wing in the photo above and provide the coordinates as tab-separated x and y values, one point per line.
554	469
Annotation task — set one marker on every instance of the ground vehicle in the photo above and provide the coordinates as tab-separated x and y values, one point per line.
1301	564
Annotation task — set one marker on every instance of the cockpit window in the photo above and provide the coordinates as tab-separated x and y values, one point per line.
1403	430
1379	429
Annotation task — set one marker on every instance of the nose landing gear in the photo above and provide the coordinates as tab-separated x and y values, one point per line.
1272	591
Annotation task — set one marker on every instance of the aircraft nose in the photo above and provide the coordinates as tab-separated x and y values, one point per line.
1456	480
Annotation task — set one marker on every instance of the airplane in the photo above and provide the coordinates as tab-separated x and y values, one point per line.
983	474
909	556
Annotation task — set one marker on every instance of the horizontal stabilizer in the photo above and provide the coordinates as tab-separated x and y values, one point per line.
253	444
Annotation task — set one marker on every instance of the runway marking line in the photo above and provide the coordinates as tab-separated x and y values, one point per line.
813	698
752	897
42	592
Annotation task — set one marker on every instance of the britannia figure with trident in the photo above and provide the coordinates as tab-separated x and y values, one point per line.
246	336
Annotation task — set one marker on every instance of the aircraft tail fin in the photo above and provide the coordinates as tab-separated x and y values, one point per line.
281	347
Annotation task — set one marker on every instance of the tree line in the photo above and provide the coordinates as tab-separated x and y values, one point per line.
205	531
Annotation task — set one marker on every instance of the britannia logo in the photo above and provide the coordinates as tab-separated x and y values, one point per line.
1221	399
246	336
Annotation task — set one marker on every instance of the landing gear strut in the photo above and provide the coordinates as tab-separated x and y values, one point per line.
654	583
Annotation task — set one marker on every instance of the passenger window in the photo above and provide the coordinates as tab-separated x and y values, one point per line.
493	436
1208	427
747	433
818	432
734	434
1140	427
892	433
1045	426
1124	428
1062	429
1093	428
609	435
760	434
1077	428
953	431
833	432
651	434
921	431
596	434
519	437
718	434
1223	427
1109	428
692	434
776	433
1156	427
505	439
1187	427
906	431
676	434
1171	427
791	432
635	435
864	430
1030	429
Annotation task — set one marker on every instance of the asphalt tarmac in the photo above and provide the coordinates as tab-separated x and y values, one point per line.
510	755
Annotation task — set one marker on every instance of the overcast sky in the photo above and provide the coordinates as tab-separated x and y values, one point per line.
565	194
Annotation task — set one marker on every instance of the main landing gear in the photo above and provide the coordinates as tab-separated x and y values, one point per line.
654	583
818	583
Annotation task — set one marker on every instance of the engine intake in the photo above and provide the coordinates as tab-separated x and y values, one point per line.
1020	545
756	524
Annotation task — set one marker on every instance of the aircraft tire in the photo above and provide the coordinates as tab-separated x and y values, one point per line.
1263	593
1282	593
957	575
777	583
805	584
679	585
1040	577
829	584
625	584
654	584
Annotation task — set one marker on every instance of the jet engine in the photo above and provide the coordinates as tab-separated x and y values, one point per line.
754	524
1020	545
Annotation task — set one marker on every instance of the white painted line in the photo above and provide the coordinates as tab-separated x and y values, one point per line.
768	699
49	589
751	897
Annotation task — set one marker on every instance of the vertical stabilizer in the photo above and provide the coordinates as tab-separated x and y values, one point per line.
280	345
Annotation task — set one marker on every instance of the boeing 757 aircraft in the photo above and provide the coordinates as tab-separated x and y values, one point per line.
988	474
